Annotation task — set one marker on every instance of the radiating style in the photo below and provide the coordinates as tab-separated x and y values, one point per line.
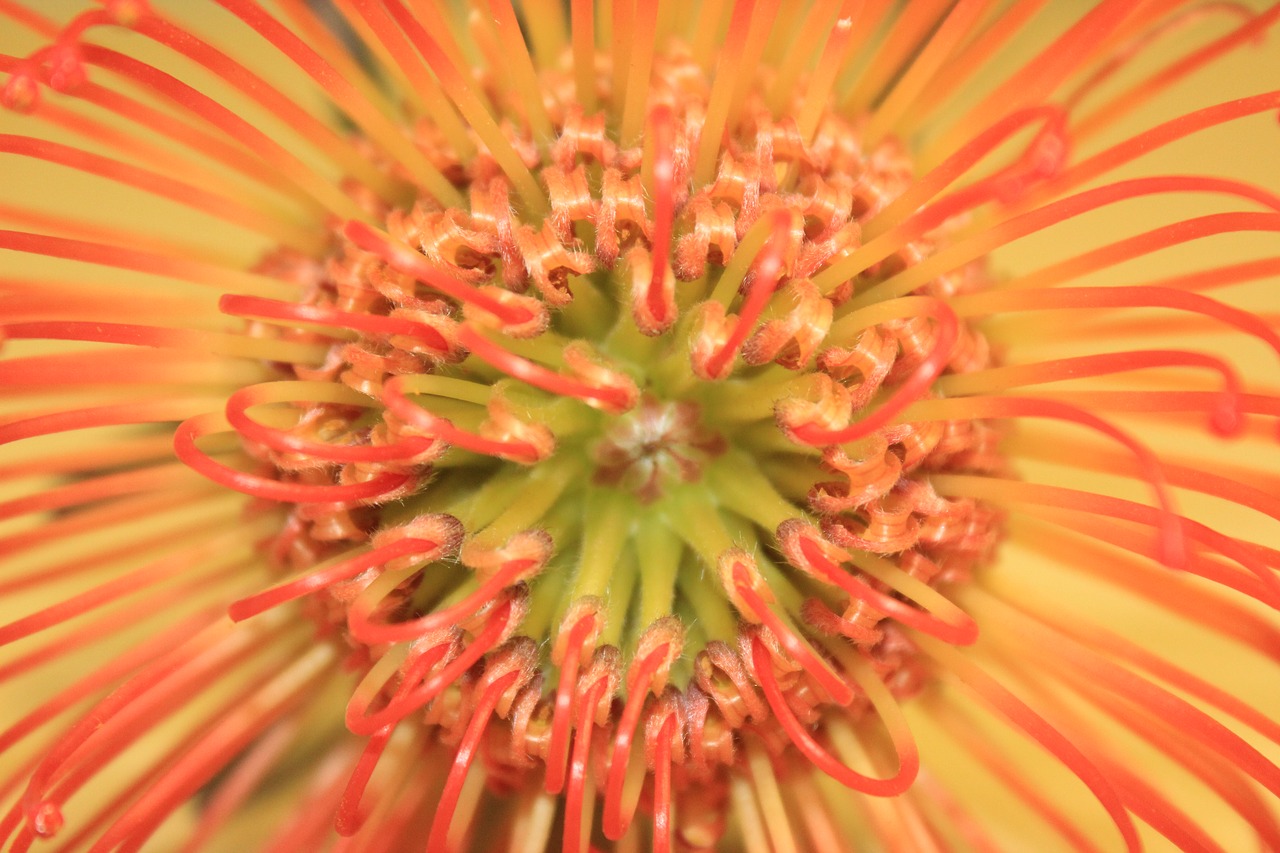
612	426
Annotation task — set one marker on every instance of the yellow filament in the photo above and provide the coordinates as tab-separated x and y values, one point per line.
390	138
906	91
769	796
661	552
816	27
607	526
670	16
707	32
584	52
385	60
736	270
754	834
915	23
913	588
520	63
705	597
444	386
817	814
728	69
621	42
451	37
738	482
736	402
605	24
644	24
877	313
477	114
543	486
292	391
817	93
415	78
545	20
620	591
243	346
468	804
531	832
322	39
976	54
763	20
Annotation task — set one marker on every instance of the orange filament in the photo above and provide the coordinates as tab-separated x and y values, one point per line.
136	412
558	746
268	488
410	66
924	65
768	268
451	323
406	448
412	263
1148	88
640	680
242	80
349	818
908	759
834	55
278	165
1022	716
479	720
910	391
894	52
969	60
1039	77
232	730
1179	20
836	687
1041	158
1226	418
1072	206
153	263
158	185
344	93
638	59
252	306
398	404
422	549
617	394
1147	296
576	811
523	74
414	695
460	92
366	630
1178	712
1172	536
662	788
169	674
729	61
659	305
962	631
1035	495
360	721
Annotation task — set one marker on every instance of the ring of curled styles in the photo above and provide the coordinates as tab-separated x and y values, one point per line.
628	414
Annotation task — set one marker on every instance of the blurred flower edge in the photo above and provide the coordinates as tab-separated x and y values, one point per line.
629	426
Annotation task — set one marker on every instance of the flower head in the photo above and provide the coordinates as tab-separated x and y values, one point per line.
614	426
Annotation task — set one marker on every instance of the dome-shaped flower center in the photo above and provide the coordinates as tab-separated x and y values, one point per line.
609	441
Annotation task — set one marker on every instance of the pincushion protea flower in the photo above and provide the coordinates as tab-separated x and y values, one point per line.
623	432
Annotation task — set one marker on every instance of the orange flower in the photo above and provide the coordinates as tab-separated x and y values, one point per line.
628	426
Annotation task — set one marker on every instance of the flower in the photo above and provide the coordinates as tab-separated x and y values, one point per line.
610	427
